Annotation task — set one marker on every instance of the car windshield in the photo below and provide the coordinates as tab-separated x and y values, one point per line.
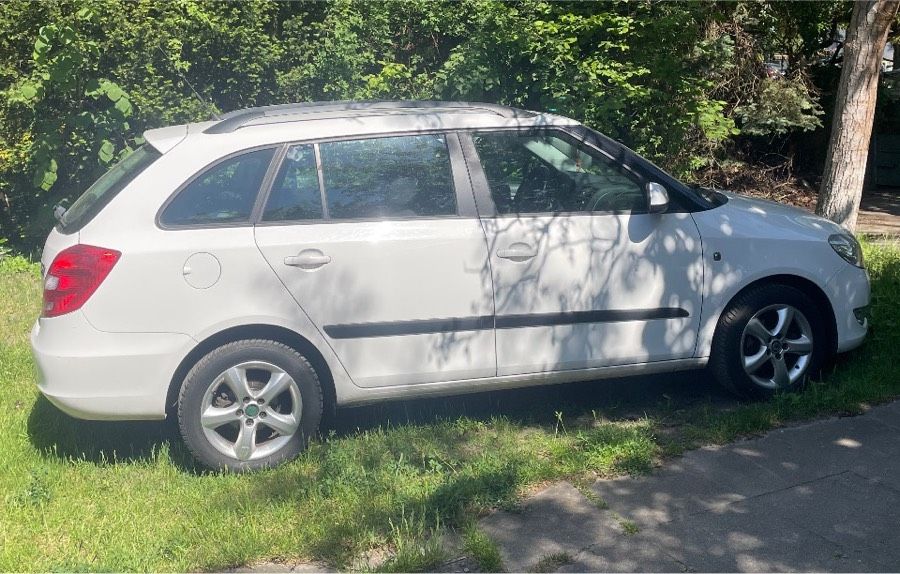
104	189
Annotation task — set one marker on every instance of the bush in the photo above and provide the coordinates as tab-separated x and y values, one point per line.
81	80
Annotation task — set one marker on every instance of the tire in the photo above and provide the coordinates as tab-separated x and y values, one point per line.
248	405
745	364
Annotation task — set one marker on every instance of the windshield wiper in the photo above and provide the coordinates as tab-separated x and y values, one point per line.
59	211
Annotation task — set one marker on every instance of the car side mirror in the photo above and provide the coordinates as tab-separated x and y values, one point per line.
657	197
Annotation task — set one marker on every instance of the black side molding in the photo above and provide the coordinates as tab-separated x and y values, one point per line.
483	322
418	327
575	317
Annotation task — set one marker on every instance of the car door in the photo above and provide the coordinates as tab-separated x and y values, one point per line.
583	275
378	241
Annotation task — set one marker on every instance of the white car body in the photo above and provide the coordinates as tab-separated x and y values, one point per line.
416	306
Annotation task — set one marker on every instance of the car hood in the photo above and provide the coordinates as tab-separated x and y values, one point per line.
786	219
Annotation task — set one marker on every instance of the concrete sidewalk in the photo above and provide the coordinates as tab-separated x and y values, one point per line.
879	213
820	497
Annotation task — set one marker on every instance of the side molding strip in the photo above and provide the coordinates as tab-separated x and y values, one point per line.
428	326
575	317
417	327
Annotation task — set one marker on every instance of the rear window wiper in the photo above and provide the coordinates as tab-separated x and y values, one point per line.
59	211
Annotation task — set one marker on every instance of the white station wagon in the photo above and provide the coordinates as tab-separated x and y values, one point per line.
245	274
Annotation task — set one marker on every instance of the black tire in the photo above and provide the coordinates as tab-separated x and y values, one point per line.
208	371
726	357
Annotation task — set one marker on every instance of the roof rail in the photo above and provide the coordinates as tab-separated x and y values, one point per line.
239	118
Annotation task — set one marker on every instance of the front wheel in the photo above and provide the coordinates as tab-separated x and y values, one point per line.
248	405
769	339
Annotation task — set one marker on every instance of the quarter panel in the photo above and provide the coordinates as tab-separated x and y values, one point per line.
148	290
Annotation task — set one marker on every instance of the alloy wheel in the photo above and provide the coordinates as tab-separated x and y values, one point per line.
777	346
251	410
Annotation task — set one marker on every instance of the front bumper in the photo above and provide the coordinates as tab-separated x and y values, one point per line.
96	375
849	291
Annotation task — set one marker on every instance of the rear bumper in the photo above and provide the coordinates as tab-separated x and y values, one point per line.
849	291
96	375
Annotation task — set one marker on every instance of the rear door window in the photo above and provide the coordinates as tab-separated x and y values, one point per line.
391	177
295	194
224	193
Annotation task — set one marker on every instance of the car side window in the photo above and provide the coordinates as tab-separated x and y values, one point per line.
225	193
541	172
390	177
295	191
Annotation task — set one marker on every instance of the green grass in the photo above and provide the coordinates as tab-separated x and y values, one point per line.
552	562
78	495
482	549
629	528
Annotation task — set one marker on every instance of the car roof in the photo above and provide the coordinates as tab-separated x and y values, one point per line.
315	120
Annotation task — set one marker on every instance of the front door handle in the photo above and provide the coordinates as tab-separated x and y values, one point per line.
517	252
308	259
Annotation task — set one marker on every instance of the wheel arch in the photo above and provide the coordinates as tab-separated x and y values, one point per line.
254	331
807	287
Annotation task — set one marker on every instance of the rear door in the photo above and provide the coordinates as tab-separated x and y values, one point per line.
583	275
378	241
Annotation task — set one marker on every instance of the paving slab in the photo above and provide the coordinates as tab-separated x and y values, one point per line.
283	567
704	480
862	444
888	414
848	509
559	520
625	553
824	496
668	495
751	538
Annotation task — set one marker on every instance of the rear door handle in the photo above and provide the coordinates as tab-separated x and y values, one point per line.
517	252
308	259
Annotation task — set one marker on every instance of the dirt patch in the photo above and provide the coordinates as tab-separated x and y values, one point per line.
774	183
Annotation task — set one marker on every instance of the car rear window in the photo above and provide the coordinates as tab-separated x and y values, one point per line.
106	188
224	193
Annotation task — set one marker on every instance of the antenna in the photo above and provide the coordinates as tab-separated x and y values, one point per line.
215	116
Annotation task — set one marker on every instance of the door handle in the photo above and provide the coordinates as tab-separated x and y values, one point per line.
308	259
517	252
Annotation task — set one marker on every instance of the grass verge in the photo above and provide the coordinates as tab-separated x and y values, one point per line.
78	495
482	549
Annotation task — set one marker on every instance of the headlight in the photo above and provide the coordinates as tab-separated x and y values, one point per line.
848	248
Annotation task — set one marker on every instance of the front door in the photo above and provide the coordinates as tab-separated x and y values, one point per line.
385	257
583	275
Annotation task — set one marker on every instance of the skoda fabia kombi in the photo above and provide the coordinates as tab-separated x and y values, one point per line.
245	274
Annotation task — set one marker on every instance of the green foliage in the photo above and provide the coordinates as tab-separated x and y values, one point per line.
80	80
780	107
17	264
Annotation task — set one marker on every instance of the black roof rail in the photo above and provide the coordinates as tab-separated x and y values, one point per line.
233	120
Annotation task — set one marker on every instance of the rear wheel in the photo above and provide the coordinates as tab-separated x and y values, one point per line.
769	339
248	405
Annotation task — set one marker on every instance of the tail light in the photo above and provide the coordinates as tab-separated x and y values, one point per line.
74	275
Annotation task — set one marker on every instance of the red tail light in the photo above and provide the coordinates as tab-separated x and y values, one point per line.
74	276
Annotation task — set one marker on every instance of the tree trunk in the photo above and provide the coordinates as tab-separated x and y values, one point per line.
854	110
